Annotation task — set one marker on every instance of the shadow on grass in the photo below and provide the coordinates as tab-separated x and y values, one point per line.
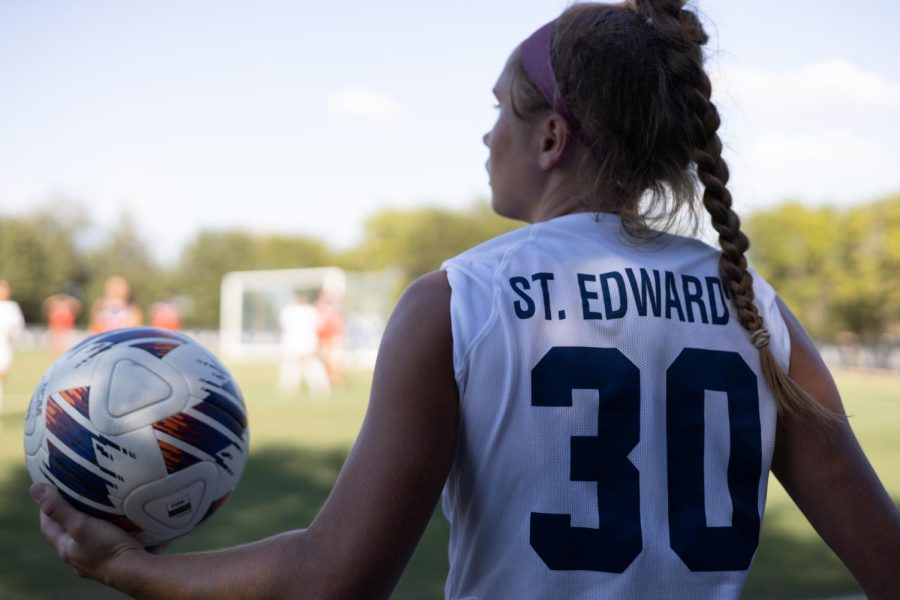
282	488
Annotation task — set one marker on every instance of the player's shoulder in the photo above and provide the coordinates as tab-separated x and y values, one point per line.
494	249
585	233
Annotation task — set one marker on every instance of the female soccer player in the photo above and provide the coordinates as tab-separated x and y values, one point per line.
600	402
114	309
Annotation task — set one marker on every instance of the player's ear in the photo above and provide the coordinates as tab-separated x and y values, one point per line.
555	137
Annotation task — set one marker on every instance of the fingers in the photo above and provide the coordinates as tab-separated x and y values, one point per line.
53	516
57	537
94	547
56	508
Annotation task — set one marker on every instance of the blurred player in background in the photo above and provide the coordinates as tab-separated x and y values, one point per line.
115	309
300	324
165	314
600	401
12	323
331	333
62	311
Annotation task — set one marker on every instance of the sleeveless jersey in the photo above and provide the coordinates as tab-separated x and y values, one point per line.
12	323
615	431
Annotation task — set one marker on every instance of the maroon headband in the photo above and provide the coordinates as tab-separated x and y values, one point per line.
534	53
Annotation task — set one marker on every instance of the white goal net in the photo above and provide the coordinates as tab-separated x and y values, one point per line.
252	303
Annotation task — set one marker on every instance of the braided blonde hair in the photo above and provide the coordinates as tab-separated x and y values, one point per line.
652	136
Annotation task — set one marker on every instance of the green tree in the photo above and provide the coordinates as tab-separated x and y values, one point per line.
838	270
890	263
123	252
418	240
38	255
867	299
212	254
795	248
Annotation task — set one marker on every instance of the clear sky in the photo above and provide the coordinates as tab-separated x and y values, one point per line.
306	117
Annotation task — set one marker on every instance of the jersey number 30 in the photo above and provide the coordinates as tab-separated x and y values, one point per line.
603	458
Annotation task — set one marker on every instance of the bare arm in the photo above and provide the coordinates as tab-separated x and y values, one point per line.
826	473
368	528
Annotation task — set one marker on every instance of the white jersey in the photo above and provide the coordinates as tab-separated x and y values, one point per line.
11	325
616	431
299	330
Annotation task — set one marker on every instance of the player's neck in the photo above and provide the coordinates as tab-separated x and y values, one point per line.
561	196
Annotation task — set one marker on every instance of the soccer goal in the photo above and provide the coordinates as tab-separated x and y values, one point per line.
252	305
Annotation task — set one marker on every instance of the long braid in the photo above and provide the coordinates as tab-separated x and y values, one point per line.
684	34
648	131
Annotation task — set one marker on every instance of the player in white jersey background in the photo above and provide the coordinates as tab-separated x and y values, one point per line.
600	403
12	323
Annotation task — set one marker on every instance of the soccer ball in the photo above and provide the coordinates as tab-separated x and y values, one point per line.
142	427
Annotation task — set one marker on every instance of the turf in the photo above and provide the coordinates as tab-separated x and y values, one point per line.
297	448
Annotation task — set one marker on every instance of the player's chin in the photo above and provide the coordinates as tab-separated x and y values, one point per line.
505	208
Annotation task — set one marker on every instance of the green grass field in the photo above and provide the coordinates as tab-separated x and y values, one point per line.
298	448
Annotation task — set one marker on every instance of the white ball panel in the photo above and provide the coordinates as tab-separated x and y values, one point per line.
35	407
33	464
34	424
136	461
202	368
172	506
122	404
133	387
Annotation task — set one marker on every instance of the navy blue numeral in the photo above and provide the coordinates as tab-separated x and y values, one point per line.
602	458
704	548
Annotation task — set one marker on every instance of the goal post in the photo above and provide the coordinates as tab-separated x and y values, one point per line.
251	302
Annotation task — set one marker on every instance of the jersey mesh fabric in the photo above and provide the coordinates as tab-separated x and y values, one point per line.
513	458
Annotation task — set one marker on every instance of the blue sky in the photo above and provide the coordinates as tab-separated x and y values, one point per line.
303	117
